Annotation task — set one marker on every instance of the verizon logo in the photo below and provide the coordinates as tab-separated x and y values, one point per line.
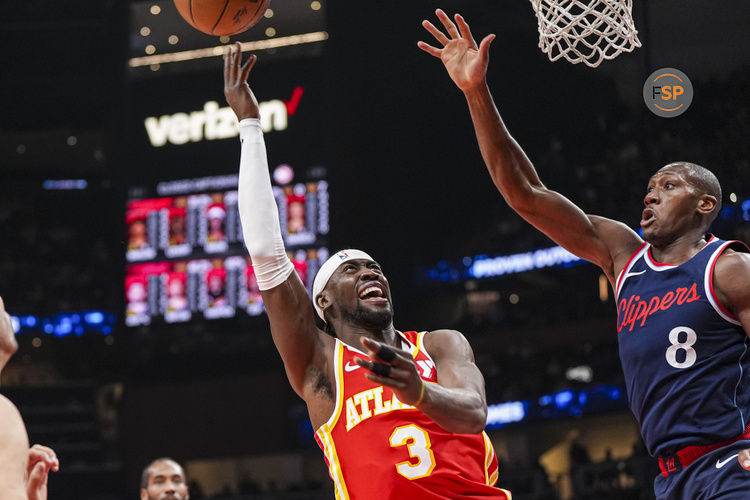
214	122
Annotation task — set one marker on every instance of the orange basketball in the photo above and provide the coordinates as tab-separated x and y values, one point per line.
221	17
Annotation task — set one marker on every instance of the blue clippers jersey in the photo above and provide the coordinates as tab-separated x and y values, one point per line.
683	354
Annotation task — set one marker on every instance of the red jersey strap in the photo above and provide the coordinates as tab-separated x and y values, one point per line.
689	454
414	338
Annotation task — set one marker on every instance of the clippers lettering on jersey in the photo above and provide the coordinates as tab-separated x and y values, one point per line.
634	309
369	403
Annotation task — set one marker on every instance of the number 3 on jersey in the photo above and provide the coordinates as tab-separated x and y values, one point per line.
687	346
417	442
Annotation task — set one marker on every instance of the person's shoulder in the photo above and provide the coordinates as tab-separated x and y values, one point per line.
8	409
732	265
444	332
446	342
733	260
731	274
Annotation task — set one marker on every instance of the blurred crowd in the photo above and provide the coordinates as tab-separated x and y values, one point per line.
59	249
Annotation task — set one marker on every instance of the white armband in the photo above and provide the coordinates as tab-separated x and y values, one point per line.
258	211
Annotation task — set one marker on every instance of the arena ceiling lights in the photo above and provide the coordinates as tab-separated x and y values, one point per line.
161	42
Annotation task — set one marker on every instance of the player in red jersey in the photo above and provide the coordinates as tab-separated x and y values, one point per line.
681	201
398	415
23	471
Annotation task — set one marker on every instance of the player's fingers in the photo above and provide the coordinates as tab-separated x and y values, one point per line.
364	363
484	46
231	68
43	449
227	53
36	484
449	26
439	36
236	61
384	370
465	30
389	382
433	51
43	453
386	353
37	476
248	66
230	65
744	458
2	304
399	374
379	368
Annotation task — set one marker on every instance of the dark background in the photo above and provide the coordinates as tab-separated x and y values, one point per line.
407	184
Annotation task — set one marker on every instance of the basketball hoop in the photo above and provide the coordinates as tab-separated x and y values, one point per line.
587	31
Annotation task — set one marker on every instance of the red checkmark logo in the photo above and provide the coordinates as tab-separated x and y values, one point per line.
293	103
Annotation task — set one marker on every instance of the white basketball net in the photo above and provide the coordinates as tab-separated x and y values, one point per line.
587	31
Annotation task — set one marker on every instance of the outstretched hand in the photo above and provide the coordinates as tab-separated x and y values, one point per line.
236	90
41	460
744	458
466	63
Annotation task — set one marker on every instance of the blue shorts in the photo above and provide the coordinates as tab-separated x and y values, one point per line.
717	475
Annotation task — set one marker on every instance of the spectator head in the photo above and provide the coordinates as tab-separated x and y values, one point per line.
164	479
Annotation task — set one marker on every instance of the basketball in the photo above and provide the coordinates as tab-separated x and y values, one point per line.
221	17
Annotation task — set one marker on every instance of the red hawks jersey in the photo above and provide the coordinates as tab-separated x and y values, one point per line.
377	447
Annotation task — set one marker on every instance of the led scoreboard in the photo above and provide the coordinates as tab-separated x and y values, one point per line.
185	254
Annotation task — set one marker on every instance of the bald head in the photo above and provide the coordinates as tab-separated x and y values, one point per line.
702	179
699	177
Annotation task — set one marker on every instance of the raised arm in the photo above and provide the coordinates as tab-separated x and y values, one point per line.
602	241
456	402
289	308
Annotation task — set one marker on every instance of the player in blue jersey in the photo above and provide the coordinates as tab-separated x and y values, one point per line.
683	295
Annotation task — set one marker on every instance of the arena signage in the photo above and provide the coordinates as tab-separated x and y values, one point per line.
214	122
517	263
484	266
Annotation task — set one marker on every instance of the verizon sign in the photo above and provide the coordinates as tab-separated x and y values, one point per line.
214	122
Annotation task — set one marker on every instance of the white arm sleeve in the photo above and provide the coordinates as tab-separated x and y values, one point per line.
258	211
